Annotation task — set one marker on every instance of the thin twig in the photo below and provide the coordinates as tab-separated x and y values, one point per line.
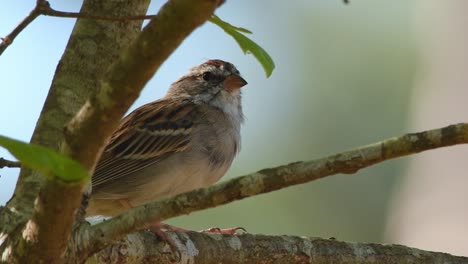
43	8
52	12
268	180
9	164
8	39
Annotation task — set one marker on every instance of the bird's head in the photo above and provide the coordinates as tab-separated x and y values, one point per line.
214	82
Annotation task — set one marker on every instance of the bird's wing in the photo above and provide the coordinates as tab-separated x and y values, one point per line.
145	137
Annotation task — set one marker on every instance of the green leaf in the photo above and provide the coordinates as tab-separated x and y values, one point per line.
246	44
45	160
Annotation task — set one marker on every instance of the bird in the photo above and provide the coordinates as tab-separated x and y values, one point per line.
186	140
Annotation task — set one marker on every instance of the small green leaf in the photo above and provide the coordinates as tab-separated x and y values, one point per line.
45	160
246	44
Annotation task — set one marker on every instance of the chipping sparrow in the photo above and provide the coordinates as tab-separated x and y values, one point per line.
181	142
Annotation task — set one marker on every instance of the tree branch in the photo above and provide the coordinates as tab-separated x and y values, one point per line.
268	180
43	8
204	248
9	164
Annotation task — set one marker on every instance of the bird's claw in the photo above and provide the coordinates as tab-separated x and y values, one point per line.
224	231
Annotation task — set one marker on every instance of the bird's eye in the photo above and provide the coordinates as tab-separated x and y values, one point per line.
207	76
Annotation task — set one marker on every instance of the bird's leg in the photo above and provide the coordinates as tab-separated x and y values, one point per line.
157	228
172	228
215	230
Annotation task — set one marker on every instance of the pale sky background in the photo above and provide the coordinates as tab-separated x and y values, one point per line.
343	79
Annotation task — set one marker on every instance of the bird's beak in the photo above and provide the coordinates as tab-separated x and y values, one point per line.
234	82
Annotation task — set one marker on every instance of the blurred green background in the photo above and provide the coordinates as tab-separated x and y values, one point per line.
344	78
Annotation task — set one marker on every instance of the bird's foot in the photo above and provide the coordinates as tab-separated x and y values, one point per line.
223	231
157	229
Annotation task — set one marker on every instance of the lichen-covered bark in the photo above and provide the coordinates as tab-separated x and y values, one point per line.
92	48
196	247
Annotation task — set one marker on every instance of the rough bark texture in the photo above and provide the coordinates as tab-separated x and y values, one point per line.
203	248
